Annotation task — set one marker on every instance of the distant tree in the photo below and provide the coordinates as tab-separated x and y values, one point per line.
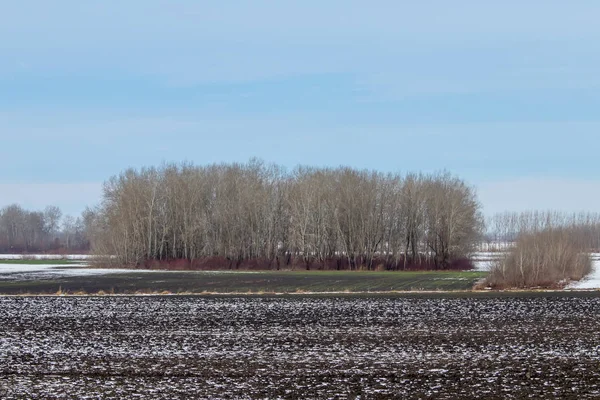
52	217
508	226
26	231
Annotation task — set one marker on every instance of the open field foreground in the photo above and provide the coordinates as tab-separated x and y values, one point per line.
303	347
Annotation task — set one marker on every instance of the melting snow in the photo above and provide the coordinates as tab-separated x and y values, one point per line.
21	272
592	281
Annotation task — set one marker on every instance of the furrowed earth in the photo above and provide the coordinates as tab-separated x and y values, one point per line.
440	346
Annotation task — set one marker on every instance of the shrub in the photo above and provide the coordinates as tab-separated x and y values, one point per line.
549	259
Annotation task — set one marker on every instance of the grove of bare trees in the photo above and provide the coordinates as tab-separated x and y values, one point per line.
507	227
25	231
255	215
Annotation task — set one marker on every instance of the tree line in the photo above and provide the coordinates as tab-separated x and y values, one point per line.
507	227
255	215
33	231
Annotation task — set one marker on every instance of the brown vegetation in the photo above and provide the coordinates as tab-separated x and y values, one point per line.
548	258
340	263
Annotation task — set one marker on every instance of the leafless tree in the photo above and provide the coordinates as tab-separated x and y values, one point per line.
258	213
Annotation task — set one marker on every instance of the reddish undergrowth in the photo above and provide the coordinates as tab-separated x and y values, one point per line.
218	263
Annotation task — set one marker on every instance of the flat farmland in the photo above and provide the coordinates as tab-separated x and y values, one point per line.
35	279
493	346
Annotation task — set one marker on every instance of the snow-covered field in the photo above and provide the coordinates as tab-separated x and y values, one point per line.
303	347
34	271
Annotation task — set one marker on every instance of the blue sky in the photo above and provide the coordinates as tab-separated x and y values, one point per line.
506	95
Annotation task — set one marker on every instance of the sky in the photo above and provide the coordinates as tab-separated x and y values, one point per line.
504	94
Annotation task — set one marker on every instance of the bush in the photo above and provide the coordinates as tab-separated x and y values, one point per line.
548	259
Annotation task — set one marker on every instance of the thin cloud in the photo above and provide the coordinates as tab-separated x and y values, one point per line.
72	198
540	194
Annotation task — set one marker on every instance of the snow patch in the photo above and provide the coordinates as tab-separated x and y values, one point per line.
592	281
24	272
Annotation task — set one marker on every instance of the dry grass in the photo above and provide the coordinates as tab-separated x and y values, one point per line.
547	259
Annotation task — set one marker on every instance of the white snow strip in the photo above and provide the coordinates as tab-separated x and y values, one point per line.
12	268
45	257
19	272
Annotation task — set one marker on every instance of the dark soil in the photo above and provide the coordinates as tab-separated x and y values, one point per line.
304	347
